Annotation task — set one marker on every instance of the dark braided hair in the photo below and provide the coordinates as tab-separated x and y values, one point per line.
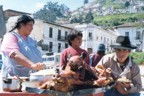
24	19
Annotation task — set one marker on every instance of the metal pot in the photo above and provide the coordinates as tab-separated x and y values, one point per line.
11	84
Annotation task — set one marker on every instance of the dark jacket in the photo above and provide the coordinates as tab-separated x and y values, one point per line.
96	57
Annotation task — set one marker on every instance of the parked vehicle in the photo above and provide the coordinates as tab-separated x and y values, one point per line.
51	60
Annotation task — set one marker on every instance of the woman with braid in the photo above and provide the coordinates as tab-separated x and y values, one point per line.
19	51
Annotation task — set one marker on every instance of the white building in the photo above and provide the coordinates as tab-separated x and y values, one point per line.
51	37
136	34
93	35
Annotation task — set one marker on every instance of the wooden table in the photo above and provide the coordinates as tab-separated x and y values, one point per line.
21	94
34	94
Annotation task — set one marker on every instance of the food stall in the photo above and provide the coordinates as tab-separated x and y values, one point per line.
30	87
21	94
40	92
75	80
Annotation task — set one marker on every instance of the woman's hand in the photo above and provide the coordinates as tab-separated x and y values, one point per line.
38	66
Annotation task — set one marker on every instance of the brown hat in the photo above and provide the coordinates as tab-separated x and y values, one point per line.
123	42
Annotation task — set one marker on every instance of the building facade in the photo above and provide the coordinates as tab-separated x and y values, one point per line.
10	13
136	34
94	35
53	36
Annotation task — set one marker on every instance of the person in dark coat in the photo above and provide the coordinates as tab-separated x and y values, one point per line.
95	58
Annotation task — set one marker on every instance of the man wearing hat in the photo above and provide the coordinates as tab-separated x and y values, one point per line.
125	71
95	58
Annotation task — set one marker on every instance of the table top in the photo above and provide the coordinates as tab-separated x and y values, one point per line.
21	94
34	94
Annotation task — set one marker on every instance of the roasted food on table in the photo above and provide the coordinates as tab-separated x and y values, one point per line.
67	79
60	84
124	79
122	85
105	72
44	72
74	75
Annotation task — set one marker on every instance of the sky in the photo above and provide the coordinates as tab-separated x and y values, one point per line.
31	6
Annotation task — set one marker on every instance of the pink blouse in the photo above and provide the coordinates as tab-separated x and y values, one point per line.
10	43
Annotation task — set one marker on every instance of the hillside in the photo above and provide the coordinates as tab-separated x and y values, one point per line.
118	19
109	13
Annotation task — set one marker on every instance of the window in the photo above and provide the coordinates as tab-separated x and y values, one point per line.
50	59
90	35
50	32
107	39
1	61
59	47
66	45
66	35
104	39
127	34
58	58
50	46
45	47
59	34
97	37
138	34
0	56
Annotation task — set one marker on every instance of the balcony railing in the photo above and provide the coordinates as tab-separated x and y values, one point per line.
62	38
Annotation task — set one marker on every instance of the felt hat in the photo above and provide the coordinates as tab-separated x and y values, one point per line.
123	42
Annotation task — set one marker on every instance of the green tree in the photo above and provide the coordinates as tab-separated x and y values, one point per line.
142	8
127	4
89	17
86	1
77	19
52	12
